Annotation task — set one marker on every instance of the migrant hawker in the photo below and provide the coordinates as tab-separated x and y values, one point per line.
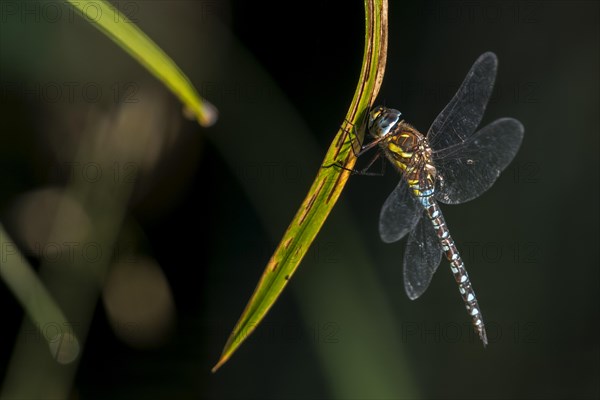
452	164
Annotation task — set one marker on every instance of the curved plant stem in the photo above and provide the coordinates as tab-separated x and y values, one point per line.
325	189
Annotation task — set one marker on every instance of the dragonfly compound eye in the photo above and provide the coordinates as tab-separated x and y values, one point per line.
386	121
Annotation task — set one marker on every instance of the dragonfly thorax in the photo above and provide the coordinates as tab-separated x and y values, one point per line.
406	148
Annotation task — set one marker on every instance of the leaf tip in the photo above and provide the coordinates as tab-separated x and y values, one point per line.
206	114
220	363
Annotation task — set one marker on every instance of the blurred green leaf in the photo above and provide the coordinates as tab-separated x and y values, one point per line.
129	37
27	287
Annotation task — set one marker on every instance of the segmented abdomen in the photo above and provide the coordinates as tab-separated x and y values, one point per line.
456	265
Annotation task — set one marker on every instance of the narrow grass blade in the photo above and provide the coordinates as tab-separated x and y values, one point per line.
129	37
37	301
324	191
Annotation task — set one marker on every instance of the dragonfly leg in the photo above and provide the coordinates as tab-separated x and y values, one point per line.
383	164
350	133
363	147
363	150
364	171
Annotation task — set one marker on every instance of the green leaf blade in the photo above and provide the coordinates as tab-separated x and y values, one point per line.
324	191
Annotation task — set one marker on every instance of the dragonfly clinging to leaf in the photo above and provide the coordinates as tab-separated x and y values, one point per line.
452	164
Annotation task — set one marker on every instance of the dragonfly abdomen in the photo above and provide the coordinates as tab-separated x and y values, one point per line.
457	266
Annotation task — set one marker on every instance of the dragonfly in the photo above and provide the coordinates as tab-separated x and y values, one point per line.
452	164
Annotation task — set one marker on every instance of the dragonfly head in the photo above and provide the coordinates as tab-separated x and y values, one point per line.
382	120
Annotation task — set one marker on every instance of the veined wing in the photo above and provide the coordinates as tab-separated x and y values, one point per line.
421	258
461	116
399	214
468	169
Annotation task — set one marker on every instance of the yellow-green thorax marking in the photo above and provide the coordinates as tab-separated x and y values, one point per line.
405	147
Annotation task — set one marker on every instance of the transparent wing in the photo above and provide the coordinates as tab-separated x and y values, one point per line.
399	214
459	119
421	259
467	170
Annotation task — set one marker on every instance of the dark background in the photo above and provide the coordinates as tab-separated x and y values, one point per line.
213	205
